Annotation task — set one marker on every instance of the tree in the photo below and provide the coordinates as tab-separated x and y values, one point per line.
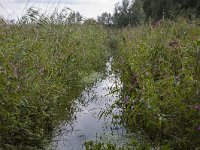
137	13
157	9
90	21
105	19
79	17
129	13
121	15
74	17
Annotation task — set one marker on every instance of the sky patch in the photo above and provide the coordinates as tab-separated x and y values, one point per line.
12	9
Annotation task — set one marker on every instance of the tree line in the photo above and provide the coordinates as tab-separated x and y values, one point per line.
129	12
136	12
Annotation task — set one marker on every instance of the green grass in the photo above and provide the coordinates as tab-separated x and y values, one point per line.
42	67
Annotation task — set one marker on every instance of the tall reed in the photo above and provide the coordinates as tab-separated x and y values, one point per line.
43	61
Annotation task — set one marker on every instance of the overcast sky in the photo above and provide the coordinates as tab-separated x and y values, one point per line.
88	8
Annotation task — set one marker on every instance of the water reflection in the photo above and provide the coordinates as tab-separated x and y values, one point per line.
87	125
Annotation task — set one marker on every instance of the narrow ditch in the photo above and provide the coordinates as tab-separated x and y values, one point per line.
87	125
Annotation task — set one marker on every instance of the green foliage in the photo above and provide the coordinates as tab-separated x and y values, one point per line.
105	19
160	72
157	9
90	21
74	17
100	146
110	146
42	64
129	13
122	15
136	12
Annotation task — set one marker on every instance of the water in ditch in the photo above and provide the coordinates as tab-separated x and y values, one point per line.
88	125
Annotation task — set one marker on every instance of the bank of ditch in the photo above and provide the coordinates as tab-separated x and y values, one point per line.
159	67
42	66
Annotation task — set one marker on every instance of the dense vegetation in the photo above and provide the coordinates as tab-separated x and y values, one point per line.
45	61
160	70
43	64
136	12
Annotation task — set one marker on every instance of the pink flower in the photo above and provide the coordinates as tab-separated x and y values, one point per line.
198	128
197	107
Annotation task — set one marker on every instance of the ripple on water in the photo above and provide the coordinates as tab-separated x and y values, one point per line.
87	125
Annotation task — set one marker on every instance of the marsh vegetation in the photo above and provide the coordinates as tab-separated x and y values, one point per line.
52	65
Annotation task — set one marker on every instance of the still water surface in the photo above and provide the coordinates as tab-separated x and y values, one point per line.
87	125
